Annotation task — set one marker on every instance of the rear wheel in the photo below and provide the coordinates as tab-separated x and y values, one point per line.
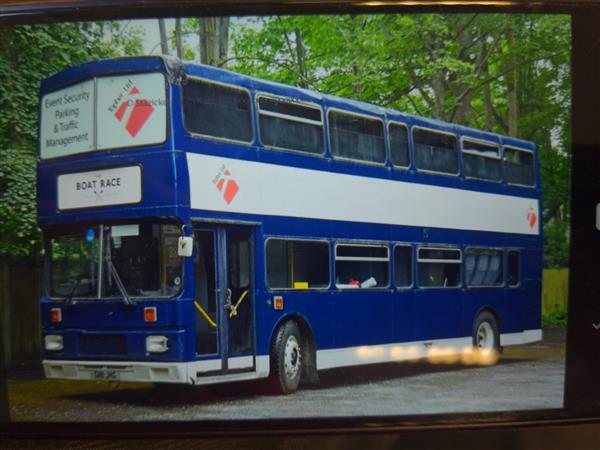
485	336
286	359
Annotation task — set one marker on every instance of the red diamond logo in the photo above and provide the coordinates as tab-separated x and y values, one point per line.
137	109
226	185
532	218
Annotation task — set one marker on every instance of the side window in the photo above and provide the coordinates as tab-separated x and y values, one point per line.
356	137
519	166
403	266
481	160
290	125
217	111
438	267
399	145
361	266
297	264
513	272
483	267
435	152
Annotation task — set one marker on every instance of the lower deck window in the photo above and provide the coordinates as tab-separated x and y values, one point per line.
297	264
361	266
403	266
483	267
513	273
439	267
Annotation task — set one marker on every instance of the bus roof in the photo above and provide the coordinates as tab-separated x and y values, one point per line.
176	71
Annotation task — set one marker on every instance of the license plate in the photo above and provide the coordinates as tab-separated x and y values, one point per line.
105	375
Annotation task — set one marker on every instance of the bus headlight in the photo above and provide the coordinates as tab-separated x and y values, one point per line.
157	344
53	342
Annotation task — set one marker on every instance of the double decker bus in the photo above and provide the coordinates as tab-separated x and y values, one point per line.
204	226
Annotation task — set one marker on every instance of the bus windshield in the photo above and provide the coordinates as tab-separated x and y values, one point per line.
143	254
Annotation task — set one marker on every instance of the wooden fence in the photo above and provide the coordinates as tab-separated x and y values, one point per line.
20	312
555	291
20	288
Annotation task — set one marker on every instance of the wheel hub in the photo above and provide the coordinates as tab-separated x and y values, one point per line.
292	356
485	336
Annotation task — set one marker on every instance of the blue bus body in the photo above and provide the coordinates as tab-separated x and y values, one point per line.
301	198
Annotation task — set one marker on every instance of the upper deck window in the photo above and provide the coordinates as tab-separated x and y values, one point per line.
356	137
435	151
104	113
518	164
290	125
399	144
217	111
481	160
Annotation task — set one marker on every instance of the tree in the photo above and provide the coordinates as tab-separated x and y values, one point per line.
29	54
507	74
164	44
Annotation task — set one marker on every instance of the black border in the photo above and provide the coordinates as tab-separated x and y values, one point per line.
575	426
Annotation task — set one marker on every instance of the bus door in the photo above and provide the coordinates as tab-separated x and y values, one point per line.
223	267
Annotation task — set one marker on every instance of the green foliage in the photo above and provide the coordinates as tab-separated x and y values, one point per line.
558	317
20	235
29	54
462	68
556	243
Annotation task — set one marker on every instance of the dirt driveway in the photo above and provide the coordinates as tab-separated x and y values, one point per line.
526	377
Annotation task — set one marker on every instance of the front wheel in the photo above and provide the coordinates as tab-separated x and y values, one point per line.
486	339
286	359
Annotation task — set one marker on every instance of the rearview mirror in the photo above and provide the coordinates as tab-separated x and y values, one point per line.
185	246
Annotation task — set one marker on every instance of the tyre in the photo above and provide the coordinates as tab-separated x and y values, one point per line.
286	359
486	338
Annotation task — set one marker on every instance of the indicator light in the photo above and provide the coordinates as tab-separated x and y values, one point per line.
150	314
55	315
278	302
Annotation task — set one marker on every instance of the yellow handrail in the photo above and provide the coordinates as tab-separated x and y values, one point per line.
205	314
234	309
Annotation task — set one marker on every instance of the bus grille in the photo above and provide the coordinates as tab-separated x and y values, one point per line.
97	345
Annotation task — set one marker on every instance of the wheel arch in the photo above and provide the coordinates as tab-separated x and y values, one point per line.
490	309
309	343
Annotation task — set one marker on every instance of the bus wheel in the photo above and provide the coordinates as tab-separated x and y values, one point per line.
486	337
286	359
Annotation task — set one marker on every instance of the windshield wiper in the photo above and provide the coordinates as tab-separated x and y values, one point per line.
113	271
69	298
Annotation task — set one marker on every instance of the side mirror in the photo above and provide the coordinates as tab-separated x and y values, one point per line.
185	246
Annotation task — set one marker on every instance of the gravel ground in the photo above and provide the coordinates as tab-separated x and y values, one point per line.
526	377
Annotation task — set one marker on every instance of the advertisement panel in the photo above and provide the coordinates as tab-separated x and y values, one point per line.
67	121
104	113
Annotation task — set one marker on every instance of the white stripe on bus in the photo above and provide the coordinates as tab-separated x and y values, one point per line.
274	190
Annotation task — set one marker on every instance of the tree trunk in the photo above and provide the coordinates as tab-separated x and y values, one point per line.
438	83
300	58
511	83
487	92
223	39
213	34
178	38
164	44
